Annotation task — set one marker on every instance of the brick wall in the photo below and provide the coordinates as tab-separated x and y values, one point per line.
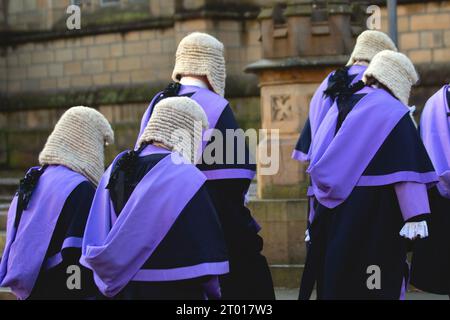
424	31
90	61
145	57
120	59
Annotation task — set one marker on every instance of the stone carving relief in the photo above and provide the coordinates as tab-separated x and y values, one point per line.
281	107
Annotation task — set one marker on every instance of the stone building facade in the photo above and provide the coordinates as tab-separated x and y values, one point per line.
124	53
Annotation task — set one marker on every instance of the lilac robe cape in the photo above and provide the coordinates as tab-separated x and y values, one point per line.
431	256
116	248
318	108
435	133
348	153
214	107
26	247
358	217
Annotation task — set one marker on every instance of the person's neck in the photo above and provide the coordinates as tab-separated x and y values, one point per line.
194	81
361	63
160	145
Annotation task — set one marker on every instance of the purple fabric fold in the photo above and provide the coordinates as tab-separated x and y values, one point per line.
190	272
56	259
320	105
412	198
428	178
300	156
213	105
115	252
26	247
435	133
229	174
338	161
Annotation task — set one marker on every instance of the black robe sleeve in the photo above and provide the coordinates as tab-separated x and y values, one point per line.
249	276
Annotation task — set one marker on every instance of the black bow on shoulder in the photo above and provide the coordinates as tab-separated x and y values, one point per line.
339	84
26	188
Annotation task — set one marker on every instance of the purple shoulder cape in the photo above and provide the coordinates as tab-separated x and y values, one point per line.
26	247
435	133
339	161
320	105
115	249
213	105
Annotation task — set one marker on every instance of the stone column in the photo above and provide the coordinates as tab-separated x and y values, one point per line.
302	44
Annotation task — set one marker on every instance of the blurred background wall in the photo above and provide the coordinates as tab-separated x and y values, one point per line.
124	53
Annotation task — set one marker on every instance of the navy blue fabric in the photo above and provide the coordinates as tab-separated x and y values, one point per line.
403	150
346	240
346	105
250	276
168	290
304	142
431	256
364	230
228	121
200	226
51	284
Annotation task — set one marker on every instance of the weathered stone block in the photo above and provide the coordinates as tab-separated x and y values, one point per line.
283	224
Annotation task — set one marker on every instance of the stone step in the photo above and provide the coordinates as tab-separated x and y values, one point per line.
3	218
6	294
8	186
283	224
286	276
2	241
5	199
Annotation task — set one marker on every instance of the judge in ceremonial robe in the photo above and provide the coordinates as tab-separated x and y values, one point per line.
431	256
153	231
370	172
48	214
368	44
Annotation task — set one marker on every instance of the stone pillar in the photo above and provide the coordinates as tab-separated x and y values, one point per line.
302	43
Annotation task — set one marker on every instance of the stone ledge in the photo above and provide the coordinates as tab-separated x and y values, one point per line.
122	21
237	87
296	62
383	3
90	97
11	38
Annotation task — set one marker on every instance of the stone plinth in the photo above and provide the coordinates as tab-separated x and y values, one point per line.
283	225
287	86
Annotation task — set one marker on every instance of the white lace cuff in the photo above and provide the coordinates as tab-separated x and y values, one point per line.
413	230
307	238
